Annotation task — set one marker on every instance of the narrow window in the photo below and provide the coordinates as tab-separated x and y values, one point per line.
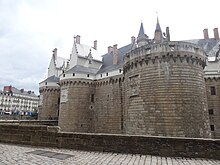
101	75
119	70
212	90
92	98
45	83
87	75
107	74
63	75
73	74
211	112
212	127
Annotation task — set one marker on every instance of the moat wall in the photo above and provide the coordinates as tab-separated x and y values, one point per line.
49	136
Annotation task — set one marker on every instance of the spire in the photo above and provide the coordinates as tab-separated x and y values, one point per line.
158	25
142	38
158	35
141	31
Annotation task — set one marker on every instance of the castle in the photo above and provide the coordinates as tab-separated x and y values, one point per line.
152	87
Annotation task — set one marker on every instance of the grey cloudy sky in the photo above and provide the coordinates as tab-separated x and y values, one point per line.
31	29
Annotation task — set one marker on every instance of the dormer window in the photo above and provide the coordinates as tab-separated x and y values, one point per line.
45	83
87	75
100	75
119	70
107	74
73	74
63	75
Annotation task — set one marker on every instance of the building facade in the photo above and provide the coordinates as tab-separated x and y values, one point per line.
15	101
149	87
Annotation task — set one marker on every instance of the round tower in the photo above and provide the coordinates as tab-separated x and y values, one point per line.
76	103
49	99
165	91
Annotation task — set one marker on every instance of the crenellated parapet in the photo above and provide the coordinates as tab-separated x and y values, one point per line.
77	82
110	81
165	52
49	89
212	79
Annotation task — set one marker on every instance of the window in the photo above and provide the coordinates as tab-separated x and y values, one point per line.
212	90
101	75
87	75
63	75
73	74
45	83
119	70
211	112
107	74
212	127
92	98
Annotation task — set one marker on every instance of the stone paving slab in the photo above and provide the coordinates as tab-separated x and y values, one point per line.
29	155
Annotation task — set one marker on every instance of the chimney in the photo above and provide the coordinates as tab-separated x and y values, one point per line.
132	39
216	35
95	45
206	34
168	33
78	39
55	53
115	55
110	49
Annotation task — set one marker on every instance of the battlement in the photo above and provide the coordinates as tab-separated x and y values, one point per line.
164	52
153	51
49	89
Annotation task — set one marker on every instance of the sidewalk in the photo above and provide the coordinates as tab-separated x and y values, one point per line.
11	154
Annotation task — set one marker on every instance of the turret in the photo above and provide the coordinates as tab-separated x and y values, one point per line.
158	35
142	38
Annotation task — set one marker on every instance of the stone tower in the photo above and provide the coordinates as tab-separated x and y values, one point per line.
49	102
165	90
50	89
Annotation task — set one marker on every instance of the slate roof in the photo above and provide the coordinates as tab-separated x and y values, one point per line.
210	46
60	61
27	93
82	69
83	51
52	79
108	59
141	31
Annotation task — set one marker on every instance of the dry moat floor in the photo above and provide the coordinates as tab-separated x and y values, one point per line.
29	155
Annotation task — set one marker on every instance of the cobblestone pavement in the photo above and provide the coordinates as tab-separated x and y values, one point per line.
29	155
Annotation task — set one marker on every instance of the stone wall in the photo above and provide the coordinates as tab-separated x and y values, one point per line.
49	103
214	105
49	136
76	106
30	122
165	91
108	105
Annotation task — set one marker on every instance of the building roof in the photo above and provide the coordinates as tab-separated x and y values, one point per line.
23	92
82	69
60	61
210	46
108	59
52	79
84	50
158	28
141	31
